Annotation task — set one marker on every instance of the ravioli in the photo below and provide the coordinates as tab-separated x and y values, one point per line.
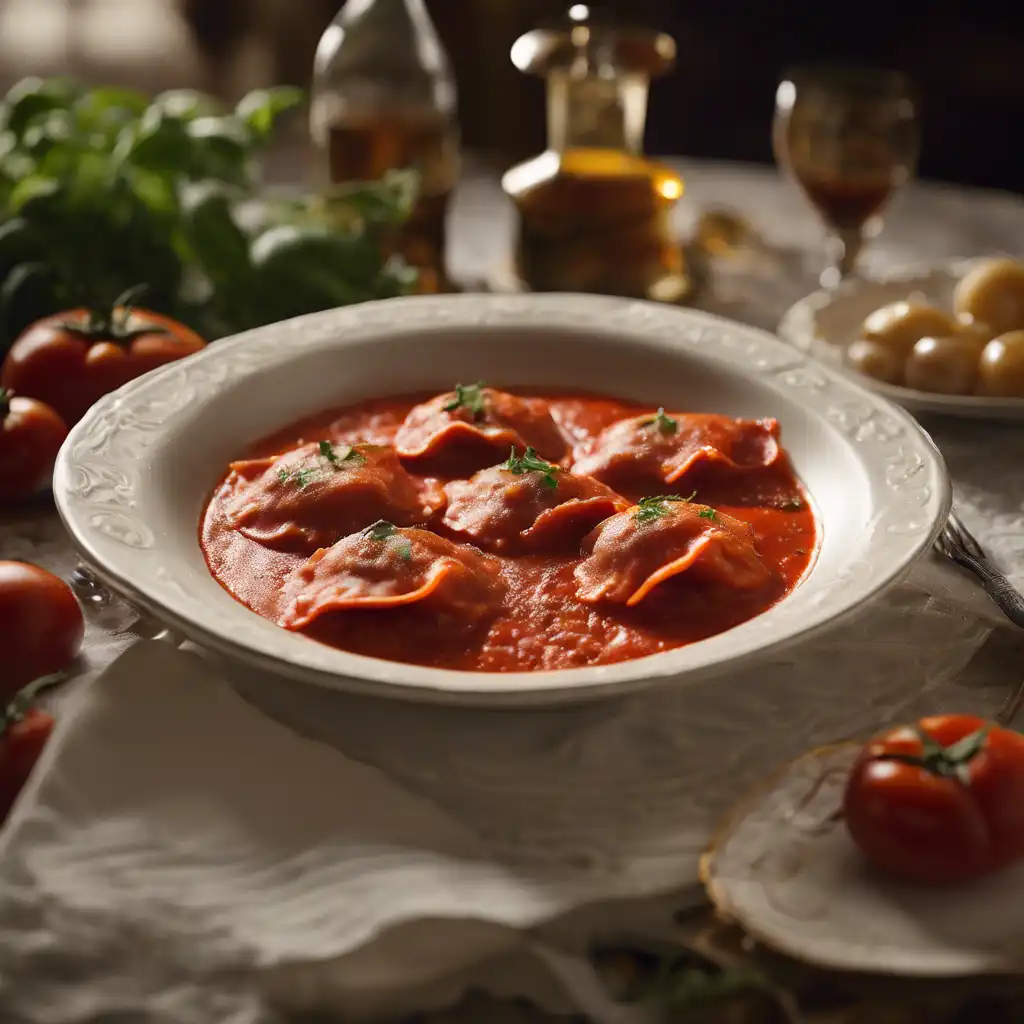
309	497
484	547
474	425
631	554
651	451
528	504
384	566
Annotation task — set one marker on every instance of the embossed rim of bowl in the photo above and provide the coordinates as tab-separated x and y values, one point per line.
800	326
160	444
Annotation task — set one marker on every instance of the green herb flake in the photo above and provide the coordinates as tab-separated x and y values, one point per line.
657	506
471	397
297	477
383	531
706	513
531	462
344	453
792	505
665	423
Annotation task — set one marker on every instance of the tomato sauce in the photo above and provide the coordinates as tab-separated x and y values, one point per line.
542	624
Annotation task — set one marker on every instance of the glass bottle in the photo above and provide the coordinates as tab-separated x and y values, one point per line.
594	214
384	99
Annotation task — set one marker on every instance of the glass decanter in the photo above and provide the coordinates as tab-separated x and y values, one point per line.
594	214
384	99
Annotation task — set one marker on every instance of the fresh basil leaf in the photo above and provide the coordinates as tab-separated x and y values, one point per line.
396	278
34	194
102	113
375	204
30	97
215	238
220	149
155	190
185	104
260	109
295	251
157	143
14	164
91	106
48	129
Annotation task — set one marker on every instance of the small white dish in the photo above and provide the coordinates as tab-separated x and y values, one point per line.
824	323
134	475
787	871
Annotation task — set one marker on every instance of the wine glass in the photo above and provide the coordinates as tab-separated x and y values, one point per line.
850	137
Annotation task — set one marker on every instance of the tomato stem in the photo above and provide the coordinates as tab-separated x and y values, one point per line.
952	762
111	323
24	700
5	403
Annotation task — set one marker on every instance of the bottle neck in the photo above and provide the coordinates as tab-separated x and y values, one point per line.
382	56
595	111
384	9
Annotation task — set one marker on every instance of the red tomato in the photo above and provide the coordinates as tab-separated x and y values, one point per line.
71	360
941	801
30	437
41	625
23	734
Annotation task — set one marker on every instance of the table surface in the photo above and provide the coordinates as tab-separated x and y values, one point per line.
928	222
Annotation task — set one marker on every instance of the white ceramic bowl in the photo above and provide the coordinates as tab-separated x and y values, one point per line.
133	476
824	323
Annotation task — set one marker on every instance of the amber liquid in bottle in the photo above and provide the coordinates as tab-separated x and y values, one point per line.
597	220
594	213
367	150
384	100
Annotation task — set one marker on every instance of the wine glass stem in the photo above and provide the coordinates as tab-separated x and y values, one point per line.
844	249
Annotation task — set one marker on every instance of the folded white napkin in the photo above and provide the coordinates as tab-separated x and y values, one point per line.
182	856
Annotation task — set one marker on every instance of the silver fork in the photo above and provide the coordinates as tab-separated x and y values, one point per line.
959	545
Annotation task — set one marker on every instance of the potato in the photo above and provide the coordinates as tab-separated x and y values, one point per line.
945	366
993	293
876	360
968	327
900	325
1001	371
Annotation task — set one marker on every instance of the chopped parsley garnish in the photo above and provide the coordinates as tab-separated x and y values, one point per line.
383	531
706	513
665	423
337	457
657	505
297	477
468	396
342	454
531	462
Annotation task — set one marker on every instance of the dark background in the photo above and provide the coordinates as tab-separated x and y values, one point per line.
968	59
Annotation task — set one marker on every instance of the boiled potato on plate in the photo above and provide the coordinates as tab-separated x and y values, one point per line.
975	349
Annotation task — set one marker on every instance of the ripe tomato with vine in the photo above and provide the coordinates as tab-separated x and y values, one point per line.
940	801
71	360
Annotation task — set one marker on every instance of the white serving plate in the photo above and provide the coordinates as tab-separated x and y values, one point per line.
825	322
133	476
786	870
